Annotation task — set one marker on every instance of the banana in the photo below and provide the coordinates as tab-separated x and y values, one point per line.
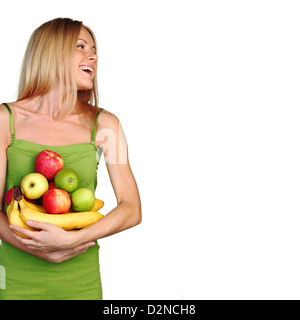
35	207
10	208
13	215
15	219
67	221
98	205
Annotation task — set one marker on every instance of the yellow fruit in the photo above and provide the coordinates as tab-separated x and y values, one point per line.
10	208
67	221
98	205
13	215
35	207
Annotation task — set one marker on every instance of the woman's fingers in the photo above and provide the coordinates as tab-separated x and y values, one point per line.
83	247
65	254
40	225
36	241
80	249
30	243
34	224
28	233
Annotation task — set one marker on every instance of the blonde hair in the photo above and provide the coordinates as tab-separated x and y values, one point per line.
48	59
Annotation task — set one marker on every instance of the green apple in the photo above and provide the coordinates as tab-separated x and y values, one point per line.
34	185
66	179
83	199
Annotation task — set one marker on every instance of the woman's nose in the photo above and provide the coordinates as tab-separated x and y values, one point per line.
93	57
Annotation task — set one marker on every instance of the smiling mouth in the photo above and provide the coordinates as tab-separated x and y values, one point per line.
87	69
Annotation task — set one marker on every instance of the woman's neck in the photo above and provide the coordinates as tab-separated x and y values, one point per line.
49	103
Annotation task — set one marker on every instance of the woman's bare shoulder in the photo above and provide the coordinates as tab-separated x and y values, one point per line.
14	106
4	115
4	125
107	120
108	126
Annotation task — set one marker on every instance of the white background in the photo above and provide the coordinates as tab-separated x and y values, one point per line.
208	96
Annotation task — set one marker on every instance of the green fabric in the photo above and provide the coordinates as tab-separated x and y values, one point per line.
95	127
11	120
29	277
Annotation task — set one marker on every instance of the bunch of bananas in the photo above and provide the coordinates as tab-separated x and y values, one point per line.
19	211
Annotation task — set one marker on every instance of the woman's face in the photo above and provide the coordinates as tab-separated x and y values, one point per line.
85	61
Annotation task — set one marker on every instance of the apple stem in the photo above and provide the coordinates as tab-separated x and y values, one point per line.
17	193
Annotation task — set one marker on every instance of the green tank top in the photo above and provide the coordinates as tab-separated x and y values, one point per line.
24	276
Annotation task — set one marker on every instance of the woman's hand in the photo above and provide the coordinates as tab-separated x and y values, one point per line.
62	255
48	237
50	242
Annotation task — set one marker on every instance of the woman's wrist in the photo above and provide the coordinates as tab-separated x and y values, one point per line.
76	238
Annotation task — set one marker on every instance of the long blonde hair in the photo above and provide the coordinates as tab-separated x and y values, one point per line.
48	59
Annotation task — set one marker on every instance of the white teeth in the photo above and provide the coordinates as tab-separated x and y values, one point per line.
87	68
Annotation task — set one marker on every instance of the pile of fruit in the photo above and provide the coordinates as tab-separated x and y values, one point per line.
56	188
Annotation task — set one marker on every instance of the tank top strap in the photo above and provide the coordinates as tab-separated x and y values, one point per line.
11	120
95	126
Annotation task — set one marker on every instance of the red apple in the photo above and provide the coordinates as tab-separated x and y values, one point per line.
48	163
8	196
56	201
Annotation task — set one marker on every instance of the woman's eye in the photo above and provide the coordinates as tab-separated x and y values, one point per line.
80	46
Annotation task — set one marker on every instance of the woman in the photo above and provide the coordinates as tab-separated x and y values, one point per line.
57	110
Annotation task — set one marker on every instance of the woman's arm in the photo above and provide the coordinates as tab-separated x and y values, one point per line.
127	214
5	232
